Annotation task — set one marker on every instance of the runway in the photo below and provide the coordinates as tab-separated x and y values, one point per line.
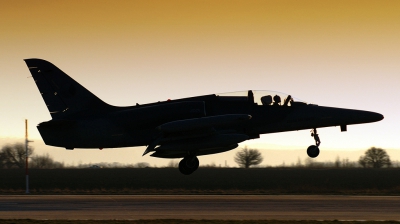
236	207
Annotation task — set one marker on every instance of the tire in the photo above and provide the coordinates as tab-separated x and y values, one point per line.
192	163
183	169
313	151
188	165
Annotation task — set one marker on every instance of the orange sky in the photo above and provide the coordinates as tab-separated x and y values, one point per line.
334	53
275	26
169	32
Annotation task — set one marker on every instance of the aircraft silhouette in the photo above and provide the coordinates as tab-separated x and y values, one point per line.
183	128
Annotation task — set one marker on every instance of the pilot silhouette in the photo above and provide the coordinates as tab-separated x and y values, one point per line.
277	100
266	100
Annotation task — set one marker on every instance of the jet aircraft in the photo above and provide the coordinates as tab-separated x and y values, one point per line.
182	128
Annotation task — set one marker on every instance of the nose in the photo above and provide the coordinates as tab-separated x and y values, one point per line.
346	116
357	116
367	116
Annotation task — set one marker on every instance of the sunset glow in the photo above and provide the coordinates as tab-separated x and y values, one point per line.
332	53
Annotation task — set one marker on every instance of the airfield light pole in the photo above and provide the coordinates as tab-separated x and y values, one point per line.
26	156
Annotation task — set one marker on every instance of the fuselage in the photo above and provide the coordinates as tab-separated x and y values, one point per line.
137	125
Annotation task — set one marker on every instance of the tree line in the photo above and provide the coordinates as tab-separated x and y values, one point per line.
372	158
14	156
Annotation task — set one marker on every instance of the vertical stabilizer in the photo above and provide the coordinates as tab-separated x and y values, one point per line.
63	95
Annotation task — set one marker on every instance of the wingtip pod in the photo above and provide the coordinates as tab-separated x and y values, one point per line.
203	122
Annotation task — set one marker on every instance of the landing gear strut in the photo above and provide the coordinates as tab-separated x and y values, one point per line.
313	150
188	165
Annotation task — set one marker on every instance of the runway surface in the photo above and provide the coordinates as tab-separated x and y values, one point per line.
200	207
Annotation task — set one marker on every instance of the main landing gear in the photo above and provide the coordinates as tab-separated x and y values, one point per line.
313	150
188	165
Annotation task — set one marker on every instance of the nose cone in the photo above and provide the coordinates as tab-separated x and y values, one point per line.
348	116
365	116
313	116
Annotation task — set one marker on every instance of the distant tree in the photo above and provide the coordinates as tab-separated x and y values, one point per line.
337	162
142	165
308	162
298	163
45	162
346	163
14	156
211	165
173	164
2	160
375	158
248	157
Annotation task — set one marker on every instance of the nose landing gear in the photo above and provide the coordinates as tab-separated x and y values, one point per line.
188	165
313	150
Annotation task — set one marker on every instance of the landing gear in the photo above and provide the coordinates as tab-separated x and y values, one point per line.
188	165
313	150
316	137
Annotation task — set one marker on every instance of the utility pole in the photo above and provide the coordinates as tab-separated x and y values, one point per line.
27	156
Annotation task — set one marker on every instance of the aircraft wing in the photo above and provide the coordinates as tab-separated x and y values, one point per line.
198	134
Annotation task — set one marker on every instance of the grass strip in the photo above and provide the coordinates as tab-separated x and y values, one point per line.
204	181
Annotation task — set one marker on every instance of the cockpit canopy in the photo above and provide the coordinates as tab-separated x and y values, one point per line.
262	97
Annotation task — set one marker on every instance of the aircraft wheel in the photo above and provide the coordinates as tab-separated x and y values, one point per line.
313	151
183	169
192	162
188	165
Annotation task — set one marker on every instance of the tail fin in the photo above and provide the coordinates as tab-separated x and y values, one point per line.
63	95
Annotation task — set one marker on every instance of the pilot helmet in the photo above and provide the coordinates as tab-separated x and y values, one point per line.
277	99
